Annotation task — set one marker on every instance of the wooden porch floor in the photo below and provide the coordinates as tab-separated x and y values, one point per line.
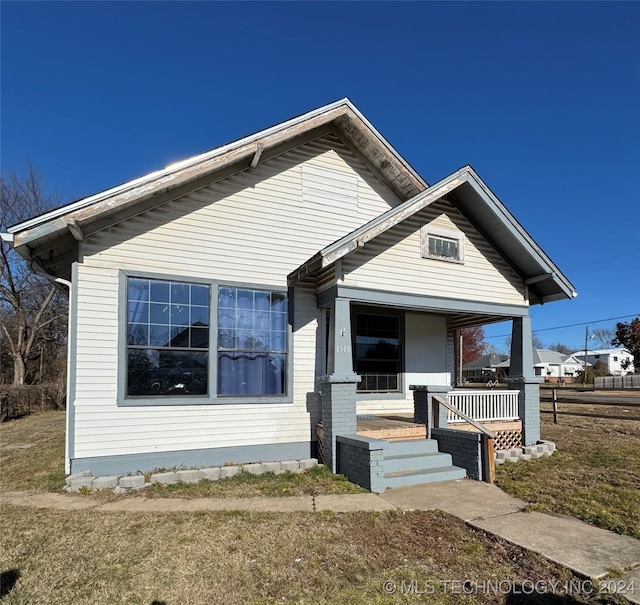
400	427
392	428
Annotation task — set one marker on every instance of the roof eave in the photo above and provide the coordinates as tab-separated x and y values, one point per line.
193	168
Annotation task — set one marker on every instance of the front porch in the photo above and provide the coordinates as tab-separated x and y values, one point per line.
495	410
377	444
428	445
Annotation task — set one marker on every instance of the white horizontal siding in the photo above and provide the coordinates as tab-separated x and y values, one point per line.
251	228
393	262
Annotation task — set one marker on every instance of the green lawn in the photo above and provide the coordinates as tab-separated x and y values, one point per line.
594	475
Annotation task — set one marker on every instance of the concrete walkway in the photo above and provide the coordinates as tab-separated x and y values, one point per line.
584	549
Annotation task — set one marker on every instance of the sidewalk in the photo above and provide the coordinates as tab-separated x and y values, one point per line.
584	549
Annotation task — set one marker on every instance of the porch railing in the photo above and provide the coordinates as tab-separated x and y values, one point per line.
483	406
487	437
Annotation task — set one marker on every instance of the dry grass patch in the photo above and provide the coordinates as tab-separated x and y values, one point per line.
317	480
594	475
32	458
32	452
97	557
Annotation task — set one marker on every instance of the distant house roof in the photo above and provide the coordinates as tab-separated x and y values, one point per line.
540	357
485	362
603	352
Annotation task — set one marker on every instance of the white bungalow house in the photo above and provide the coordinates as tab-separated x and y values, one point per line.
549	365
222	306
618	362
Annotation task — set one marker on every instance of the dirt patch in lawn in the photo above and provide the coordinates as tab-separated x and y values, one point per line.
97	557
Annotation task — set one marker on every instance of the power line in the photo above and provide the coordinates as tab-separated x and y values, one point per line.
583	323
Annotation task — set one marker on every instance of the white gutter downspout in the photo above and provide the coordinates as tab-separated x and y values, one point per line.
67	453
9	239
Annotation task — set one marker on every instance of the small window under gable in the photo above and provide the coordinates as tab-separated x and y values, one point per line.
442	245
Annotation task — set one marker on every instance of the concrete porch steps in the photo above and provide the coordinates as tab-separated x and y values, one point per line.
428	475
411	462
416	462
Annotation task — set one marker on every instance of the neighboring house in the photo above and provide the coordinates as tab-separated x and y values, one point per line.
618	362
549	365
483	369
220	307
553	366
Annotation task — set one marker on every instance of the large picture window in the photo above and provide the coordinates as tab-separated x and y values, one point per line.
167	338
377	352
252	342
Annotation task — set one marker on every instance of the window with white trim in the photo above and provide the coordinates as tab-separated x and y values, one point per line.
442	245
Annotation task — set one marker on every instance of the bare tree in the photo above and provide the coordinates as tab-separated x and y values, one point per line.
604	336
561	348
32	311
535	341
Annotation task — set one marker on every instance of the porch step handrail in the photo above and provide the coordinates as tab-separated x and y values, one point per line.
488	437
455	410
484	405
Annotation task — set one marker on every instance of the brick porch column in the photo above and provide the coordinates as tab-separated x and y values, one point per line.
523	378
422	408
338	399
338	388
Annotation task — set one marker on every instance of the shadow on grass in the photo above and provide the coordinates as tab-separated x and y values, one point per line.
519	597
8	580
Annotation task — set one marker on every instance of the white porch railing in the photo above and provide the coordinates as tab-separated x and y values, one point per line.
484	406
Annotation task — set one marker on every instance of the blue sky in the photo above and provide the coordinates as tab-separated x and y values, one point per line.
542	99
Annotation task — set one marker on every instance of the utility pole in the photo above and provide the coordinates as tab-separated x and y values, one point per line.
586	343
460	358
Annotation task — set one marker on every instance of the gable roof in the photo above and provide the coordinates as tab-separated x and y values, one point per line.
56	229
473	198
604	352
486	361
541	356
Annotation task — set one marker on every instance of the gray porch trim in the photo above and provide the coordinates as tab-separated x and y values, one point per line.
133	463
419	301
340	360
